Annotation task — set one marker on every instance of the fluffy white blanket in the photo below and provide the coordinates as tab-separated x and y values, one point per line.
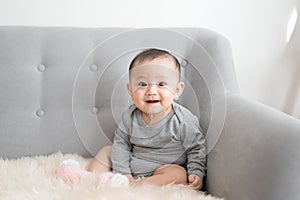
34	178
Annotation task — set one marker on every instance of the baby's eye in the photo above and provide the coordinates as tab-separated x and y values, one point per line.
161	84
143	84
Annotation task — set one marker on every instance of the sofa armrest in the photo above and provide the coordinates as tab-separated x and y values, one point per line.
257	155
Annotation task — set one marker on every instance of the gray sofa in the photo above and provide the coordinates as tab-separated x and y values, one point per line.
63	89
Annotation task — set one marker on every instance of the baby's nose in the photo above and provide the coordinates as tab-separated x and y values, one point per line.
152	88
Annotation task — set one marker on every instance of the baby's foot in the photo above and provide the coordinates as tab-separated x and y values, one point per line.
70	171
119	180
112	180
104	178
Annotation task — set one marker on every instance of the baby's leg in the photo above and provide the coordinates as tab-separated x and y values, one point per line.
102	161
164	175
70	171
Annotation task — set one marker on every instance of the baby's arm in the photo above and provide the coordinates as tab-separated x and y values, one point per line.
121	151
195	146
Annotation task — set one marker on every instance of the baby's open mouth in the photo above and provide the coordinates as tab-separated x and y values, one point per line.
152	101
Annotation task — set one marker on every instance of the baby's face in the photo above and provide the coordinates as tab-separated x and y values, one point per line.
154	85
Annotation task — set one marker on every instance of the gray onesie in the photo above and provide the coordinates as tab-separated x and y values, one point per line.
139	149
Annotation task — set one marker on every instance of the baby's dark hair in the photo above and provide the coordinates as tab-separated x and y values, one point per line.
151	54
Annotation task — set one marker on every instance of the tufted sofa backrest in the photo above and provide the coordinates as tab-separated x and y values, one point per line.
63	89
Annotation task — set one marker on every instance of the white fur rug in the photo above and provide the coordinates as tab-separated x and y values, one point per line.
34	178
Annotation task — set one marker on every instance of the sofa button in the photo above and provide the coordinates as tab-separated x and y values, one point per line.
95	110
40	113
93	68
184	63
41	67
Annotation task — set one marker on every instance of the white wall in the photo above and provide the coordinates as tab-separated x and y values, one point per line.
255	28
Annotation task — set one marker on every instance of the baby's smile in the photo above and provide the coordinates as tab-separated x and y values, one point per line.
152	101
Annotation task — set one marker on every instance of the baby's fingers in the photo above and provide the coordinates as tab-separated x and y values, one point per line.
195	182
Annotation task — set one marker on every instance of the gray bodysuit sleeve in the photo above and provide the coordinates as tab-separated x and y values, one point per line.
195	146
121	149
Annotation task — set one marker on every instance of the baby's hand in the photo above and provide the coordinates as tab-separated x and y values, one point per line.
195	181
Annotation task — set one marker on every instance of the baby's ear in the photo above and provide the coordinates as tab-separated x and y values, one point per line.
129	89
179	89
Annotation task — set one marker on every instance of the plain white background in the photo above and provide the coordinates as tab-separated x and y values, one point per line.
266	65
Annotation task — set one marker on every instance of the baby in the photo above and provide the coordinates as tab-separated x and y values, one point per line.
158	141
